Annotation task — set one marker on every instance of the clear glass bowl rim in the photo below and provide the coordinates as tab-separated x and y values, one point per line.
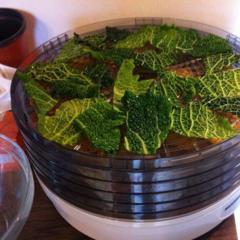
24	209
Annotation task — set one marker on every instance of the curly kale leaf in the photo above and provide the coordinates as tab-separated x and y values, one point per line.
210	45
116	55
177	89
72	49
114	34
148	122
219	62
221	84
52	72
60	127
187	40
154	61
96	41
73	89
91	45
66	81
231	105
197	120
41	99
100	123
170	39
100	40
127	81
77	47
99	74
137	39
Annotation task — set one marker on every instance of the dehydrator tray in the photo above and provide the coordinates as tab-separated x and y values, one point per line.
171	183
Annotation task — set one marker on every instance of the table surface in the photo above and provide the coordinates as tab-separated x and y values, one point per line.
44	222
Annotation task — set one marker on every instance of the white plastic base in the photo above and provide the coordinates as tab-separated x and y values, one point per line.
181	228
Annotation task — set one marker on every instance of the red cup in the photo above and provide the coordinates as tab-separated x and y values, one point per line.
12	28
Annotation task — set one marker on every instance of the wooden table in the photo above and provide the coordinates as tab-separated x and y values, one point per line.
44	222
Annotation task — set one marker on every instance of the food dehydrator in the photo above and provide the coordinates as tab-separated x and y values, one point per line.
176	195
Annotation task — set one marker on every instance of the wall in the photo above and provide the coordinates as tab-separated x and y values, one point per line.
47	18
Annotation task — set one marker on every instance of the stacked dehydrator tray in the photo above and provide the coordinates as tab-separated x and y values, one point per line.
167	196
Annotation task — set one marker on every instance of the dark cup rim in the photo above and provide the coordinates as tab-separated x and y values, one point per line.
9	13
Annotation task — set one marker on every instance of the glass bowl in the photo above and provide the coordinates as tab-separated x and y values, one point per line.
165	185
16	189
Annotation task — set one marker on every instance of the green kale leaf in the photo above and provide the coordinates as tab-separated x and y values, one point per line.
102	41
72	49
100	74
169	39
52	72
177	89
221	84
154	61
100	123
116	55
197	120
94	46
41	99
114	34
148	121
137	39
210	45
231	105
73	89
66	81
60	127
172	39
96	41
127	81
219	62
